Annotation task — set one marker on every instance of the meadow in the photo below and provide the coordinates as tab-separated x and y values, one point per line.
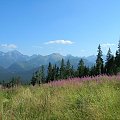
96	98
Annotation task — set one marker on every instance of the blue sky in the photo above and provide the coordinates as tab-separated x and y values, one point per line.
74	27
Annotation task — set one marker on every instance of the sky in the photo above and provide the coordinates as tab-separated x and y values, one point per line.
73	27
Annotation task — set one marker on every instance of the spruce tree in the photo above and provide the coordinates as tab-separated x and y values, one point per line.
109	55
119	47
117	58
72	72
99	62
49	72
81	68
34	79
62	69
42	74
93	71
53	73
110	63
86	71
68	70
57	73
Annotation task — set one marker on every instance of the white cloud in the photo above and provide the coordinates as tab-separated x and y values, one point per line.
8	46
107	45
65	42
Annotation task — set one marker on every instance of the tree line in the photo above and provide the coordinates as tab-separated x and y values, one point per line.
13	82
110	67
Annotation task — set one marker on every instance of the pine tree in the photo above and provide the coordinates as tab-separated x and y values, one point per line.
81	68
68	70
53	73
99	62
49	72
62	69
109	55
38	75
73	72
57	73
34	80
110	63
43	74
119	47
93	71
117	58
86	71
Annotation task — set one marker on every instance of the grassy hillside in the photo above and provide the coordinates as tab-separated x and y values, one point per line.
74	99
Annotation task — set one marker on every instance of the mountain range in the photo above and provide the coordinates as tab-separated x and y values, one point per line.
14	63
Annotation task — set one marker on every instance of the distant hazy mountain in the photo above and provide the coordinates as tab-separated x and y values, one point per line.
6	59
15	63
5	74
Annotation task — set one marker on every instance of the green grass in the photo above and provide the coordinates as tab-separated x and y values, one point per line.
81	101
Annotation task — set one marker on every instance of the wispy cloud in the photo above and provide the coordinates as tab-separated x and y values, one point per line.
8	46
64	42
107	45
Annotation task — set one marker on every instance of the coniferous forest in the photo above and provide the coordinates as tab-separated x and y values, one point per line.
111	66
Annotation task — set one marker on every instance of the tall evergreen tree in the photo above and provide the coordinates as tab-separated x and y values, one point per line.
53	73
110	63
73	72
49	72
119	47
38	76
34	79
42	74
99	62
93	71
62	69
117	58
57	73
81	68
86	71
68	70
109	55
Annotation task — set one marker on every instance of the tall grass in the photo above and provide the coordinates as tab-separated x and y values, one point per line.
88	98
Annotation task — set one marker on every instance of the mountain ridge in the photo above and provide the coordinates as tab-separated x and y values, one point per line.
15	63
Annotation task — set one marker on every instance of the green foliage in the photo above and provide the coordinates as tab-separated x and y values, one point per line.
117	58
38	76
68	70
99	62
81	68
14	82
62	70
34	79
49	72
93	71
110	63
